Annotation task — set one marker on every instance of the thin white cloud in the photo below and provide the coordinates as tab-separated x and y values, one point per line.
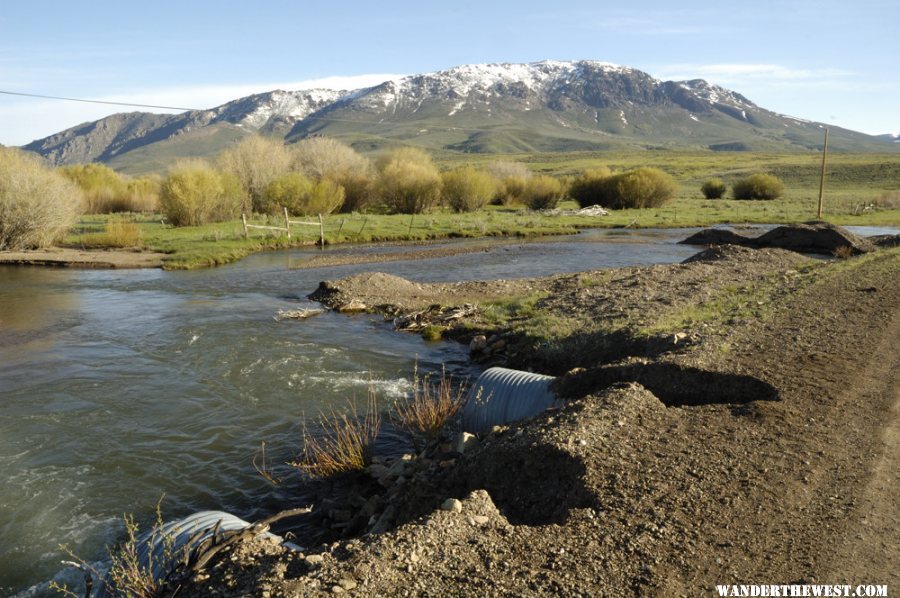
731	73
828	95
23	120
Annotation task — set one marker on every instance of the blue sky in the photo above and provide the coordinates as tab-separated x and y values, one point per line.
831	61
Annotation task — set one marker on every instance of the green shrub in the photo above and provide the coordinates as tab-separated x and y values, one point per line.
118	232
255	161
37	205
301	196
358	190
467	189
593	187
325	158
713	189
542	192
325	197
511	177
104	190
510	191
194	194
143	194
758	186
287	191
643	188
409	183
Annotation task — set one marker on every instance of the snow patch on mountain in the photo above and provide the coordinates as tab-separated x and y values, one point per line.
469	85
715	94
255	111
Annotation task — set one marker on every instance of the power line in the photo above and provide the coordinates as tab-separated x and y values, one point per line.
35	95
306	118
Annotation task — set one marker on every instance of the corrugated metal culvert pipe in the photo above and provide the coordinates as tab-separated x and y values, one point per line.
502	396
157	549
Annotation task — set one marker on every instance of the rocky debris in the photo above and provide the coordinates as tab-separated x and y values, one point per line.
594	210
478	344
394	295
813	237
594	303
353	306
433	315
717	236
464	441
630	489
297	314
885	241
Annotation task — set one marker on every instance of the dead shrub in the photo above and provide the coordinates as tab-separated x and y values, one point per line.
431	407
843	252
346	442
128	574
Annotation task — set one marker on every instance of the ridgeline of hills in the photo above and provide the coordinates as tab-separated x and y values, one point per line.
544	106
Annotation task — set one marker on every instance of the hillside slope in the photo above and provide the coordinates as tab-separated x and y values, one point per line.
485	108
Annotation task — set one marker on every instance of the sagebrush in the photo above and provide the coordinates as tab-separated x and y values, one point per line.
758	186
37	205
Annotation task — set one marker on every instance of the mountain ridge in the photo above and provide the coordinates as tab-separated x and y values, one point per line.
483	108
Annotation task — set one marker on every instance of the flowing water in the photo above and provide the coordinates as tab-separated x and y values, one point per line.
118	387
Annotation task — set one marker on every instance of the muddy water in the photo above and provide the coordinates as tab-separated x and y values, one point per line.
118	387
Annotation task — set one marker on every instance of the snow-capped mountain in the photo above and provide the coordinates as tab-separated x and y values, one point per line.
540	106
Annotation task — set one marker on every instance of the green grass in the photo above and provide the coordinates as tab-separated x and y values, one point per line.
854	180
221	243
522	315
733	303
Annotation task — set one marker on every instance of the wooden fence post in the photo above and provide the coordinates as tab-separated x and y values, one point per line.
322	231
287	223
244	221
822	177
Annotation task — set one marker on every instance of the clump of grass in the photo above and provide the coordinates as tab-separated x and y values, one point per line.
431	407
432	333
502	311
346	444
116	233
128	574
843	252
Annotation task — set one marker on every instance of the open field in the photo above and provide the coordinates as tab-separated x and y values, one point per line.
221	243
861	189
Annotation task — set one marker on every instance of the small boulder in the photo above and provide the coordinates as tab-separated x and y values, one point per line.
353	306
478	344
464	442
453	505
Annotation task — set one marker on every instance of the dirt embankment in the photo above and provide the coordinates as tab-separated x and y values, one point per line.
741	427
77	258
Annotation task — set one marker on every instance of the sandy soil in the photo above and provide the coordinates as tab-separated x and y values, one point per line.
76	258
759	448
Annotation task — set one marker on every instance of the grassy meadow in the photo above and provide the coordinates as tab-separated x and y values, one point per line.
853	182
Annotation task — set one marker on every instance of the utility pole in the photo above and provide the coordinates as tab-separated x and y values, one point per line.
822	177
